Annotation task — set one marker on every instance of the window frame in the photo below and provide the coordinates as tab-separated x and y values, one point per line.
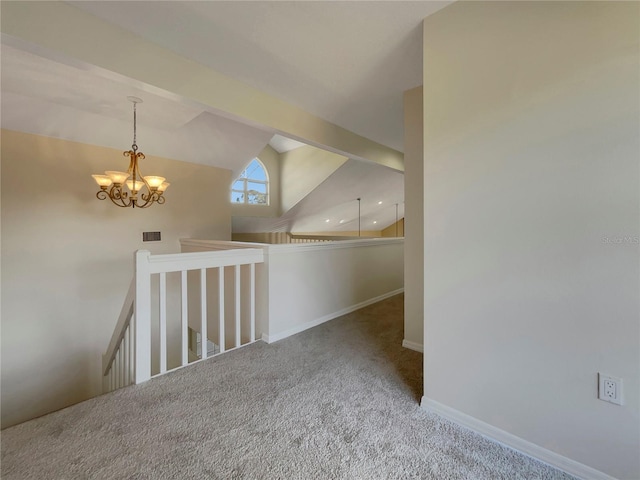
245	180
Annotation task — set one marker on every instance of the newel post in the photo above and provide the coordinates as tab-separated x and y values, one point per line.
142	317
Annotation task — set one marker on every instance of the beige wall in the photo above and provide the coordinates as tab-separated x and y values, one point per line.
531	121
396	229
56	27
302	170
414	215
67	260
271	160
312	283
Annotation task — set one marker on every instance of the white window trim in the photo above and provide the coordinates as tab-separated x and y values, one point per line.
244	192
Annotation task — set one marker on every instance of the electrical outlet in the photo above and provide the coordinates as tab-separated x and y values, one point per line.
610	389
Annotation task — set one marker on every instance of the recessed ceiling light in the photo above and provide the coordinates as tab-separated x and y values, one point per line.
341	221
375	221
327	220
380	202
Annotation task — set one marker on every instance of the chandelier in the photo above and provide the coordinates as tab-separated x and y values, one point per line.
138	191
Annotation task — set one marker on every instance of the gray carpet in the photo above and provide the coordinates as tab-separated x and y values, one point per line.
339	401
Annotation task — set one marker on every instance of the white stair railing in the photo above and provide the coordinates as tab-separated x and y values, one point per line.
129	357
116	363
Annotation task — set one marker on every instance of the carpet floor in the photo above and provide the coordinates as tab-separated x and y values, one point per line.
339	401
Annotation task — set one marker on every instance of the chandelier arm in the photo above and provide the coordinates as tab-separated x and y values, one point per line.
150	199
116	196
136	168
132	160
120	197
140	156
143	205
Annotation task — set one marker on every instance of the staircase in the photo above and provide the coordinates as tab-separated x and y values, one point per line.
171	301
195	346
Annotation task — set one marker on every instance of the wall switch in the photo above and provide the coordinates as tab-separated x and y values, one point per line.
610	389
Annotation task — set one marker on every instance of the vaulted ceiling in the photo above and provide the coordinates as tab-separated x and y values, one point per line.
345	62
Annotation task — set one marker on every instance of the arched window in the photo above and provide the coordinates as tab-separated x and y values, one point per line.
252	186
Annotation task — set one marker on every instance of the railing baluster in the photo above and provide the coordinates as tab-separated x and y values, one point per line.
120	367
115	373
252	302
116	370
185	318
125	350
237	293
132	348
203	313
142	314
163	322
221	332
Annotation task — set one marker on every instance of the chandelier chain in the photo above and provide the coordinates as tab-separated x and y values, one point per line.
134	146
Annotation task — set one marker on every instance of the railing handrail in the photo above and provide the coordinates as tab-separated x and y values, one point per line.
325	238
219	244
121	326
355	242
175	262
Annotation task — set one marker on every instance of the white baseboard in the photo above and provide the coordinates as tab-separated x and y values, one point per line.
553	459
418	347
314	323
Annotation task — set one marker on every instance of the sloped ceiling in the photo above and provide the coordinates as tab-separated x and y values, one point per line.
48	98
347	61
283	144
335	200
